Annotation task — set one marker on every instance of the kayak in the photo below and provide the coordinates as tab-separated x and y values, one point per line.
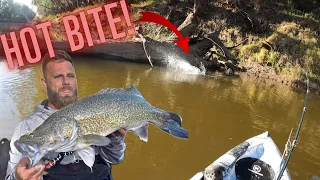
257	158
4	157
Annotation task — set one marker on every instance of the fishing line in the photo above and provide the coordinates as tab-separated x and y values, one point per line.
295	141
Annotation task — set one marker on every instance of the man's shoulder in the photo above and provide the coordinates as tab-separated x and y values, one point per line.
30	122
35	116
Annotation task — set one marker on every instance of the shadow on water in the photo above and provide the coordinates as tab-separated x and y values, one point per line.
219	113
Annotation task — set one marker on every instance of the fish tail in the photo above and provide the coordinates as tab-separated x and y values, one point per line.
175	117
174	126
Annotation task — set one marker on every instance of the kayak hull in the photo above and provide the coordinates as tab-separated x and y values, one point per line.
255	158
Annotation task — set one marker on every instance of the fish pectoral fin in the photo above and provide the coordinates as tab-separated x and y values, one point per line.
142	132
94	139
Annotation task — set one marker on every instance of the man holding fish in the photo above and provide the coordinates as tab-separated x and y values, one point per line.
83	137
59	81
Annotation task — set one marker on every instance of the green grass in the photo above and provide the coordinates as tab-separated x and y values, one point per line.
293	48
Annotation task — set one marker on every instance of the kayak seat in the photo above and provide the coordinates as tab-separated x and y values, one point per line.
253	169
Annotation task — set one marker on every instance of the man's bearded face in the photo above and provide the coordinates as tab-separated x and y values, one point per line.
59	99
61	84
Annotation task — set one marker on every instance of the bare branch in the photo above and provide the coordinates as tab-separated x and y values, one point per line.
237	44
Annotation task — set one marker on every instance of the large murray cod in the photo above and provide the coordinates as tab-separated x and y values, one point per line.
88	121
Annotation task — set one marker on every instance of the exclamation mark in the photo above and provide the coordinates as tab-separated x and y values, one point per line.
126	16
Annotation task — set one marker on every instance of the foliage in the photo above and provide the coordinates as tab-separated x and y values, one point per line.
52	7
12	11
305	5
57	31
292	47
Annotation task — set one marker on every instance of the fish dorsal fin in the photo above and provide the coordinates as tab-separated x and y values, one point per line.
142	132
132	90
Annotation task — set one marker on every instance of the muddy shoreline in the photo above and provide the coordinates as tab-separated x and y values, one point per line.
267	75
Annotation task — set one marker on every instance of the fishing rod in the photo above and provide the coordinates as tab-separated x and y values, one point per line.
297	132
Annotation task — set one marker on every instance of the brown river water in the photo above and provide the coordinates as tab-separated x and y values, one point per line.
219	113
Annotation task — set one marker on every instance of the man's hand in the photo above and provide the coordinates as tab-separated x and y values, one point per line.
25	173
120	132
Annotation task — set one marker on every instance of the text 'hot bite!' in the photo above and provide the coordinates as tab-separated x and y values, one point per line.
72	26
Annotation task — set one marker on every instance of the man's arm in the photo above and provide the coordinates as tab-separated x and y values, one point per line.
114	152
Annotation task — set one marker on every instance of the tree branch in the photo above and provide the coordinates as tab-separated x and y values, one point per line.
237	44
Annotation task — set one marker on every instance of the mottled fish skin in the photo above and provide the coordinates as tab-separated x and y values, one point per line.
99	114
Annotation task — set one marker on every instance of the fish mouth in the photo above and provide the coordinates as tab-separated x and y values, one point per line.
30	150
26	149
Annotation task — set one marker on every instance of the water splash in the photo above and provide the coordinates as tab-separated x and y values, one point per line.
179	70
181	65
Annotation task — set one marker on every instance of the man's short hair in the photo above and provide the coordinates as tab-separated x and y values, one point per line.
60	55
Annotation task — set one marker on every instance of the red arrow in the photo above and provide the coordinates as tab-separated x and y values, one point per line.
156	18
